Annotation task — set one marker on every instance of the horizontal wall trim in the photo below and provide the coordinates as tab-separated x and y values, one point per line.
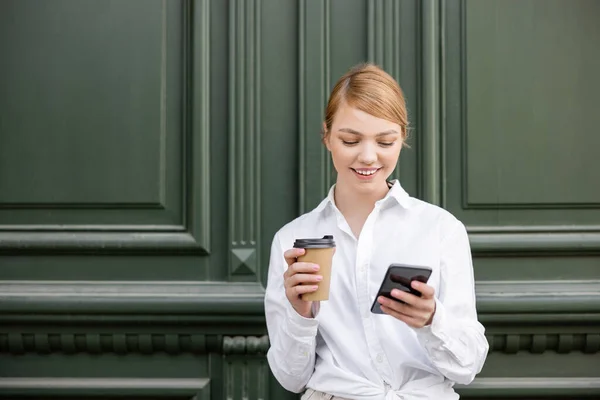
538	343
171	343
114	298
223	298
529	241
25	205
245	344
541	297
131	343
524	387
102	387
91	342
106	242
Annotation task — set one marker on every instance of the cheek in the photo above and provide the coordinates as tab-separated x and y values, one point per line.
341	156
390	158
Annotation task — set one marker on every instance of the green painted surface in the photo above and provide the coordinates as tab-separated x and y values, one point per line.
150	149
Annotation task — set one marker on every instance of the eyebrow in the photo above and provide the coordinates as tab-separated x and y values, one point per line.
352	131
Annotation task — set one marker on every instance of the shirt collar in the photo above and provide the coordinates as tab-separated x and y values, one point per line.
396	192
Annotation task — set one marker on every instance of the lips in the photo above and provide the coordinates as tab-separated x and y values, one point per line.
365	173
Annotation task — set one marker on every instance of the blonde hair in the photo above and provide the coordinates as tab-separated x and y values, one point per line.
368	88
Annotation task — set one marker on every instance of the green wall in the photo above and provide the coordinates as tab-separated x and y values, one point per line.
150	149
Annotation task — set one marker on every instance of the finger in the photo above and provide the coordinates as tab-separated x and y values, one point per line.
303	279
427	292
411	321
406	297
291	255
300	267
405	309
303	268
423	304
301	289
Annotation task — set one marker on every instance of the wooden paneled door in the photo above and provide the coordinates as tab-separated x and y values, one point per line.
149	149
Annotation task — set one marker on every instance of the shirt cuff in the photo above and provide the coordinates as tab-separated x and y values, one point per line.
436	332
299	326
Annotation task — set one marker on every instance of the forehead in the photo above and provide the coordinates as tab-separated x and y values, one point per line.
350	117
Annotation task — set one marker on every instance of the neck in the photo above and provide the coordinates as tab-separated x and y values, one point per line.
349	202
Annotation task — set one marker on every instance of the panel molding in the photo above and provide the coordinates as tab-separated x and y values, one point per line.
538	297
244	139
113	241
316	168
193	388
469	205
194	232
149	301
493	240
534	240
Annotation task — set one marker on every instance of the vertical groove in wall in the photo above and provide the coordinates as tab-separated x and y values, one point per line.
431	101
442	104
263	374
302	131
162	185
244	131
316	170
326	87
383	31
233	123
229	380
246	377
463	105
196	119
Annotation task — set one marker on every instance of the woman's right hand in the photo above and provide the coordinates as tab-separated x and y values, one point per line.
300	278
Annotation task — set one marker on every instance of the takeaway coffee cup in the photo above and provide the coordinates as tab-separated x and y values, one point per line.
320	252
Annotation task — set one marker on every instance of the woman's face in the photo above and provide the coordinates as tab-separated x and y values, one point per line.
364	148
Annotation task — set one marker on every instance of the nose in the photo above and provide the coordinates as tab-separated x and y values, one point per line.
368	154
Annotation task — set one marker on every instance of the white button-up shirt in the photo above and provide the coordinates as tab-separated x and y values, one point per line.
349	352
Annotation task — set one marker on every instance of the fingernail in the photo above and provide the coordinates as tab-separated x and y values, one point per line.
315	287
319	277
316	267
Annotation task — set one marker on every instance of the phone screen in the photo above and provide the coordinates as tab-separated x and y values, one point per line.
400	277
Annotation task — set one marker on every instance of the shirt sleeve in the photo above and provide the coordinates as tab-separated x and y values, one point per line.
291	355
455	340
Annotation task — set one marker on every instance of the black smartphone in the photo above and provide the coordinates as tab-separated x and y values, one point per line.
400	276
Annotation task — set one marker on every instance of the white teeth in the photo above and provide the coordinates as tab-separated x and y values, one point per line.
367	173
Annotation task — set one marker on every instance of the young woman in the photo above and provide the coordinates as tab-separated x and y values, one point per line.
338	349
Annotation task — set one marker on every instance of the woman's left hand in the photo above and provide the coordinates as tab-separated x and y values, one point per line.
415	311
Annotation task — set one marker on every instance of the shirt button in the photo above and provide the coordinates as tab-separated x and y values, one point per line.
379	358
304	351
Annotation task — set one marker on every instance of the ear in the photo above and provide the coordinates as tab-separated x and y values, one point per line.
325	136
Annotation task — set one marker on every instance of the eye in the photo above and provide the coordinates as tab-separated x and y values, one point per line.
386	144
347	143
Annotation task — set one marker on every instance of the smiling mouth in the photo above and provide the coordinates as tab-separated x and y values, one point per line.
366	172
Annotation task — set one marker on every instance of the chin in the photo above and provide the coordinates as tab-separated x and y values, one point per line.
367	186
